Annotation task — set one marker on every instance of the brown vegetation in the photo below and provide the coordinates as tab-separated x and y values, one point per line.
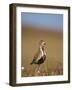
54	49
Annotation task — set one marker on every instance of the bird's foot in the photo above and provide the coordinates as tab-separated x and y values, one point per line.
38	71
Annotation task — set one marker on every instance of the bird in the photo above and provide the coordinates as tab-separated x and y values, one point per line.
40	57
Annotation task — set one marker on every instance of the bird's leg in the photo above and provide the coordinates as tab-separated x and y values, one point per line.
38	69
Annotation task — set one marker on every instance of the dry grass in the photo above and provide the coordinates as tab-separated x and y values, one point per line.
35	70
54	49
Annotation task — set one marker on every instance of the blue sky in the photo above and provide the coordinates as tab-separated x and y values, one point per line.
42	19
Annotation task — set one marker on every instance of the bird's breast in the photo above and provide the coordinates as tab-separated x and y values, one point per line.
43	53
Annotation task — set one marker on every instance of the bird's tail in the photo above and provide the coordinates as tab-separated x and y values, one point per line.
31	63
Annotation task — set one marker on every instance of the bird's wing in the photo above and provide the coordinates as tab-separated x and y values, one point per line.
37	56
34	58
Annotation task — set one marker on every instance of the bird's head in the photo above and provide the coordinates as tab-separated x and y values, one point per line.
42	44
